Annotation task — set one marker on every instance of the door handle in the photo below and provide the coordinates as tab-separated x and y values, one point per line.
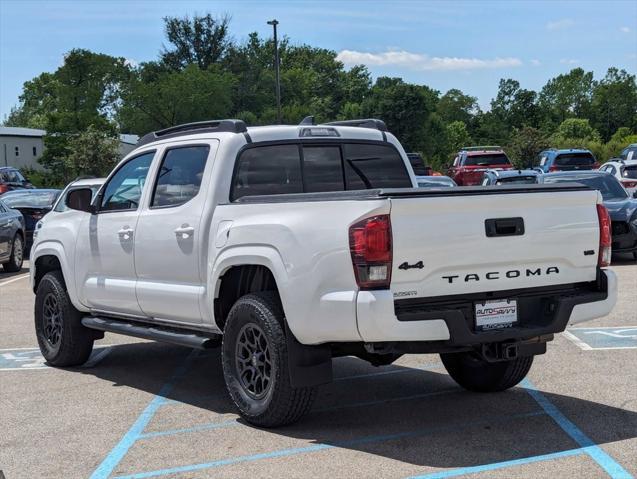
125	233
184	231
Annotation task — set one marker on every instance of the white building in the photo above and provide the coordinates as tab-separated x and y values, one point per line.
22	147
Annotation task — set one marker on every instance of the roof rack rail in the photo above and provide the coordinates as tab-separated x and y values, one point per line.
363	123
232	126
480	148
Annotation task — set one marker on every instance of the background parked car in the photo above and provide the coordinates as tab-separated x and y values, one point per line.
567	160
12	179
621	207
471	163
435	182
625	171
629	153
418	165
11	238
499	177
60	205
33	204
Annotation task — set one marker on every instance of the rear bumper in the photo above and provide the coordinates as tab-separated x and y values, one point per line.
449	321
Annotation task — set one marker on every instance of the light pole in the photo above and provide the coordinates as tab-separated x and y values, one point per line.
274	23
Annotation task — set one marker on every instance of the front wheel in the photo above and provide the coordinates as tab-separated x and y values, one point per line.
62	338
17	255
255	363
475	374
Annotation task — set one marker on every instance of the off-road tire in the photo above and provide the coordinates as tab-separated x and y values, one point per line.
17	255
475	374
75	341
281	404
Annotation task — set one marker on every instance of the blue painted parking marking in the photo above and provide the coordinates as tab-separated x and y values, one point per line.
26	359
322	446
623	337
605	461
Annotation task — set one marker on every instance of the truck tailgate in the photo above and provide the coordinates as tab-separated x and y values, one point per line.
441	244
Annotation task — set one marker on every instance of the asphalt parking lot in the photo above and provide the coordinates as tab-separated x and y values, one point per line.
142	409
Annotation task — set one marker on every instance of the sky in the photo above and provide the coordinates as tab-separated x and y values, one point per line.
468	45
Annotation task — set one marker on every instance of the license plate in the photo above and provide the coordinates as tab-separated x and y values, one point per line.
496	314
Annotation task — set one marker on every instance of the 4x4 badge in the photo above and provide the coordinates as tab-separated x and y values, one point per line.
406	265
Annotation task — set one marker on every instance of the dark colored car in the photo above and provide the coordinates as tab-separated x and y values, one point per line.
620	205
418	165
11	179
508	177
11	238
629	153
573	159
33	204
471	162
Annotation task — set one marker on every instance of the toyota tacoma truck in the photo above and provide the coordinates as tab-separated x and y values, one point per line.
287	246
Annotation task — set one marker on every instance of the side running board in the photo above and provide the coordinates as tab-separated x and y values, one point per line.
183	338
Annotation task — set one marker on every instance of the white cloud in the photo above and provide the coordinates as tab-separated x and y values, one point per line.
560	24
535	62
569	61
625	29
420	61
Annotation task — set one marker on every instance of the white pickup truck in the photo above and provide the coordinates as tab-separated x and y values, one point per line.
292	245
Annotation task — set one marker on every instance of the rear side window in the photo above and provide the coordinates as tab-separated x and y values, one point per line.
374	166
284	169
630	172
180	174
484	160
575	159
268	170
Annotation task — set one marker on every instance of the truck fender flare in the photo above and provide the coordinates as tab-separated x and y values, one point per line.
308	365
54	248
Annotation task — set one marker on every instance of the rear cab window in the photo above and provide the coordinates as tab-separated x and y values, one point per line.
315	168
575	159
484	160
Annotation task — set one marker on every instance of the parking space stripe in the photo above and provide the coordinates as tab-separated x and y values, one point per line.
500	465
105	469
201	427
606	462
13	280
321	447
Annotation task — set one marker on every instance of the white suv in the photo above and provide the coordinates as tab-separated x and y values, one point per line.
625	171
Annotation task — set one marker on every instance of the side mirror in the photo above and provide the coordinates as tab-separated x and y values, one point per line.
80	200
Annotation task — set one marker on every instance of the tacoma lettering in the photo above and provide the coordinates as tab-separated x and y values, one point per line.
513	273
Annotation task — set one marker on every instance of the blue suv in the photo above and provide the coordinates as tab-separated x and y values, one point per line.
573	159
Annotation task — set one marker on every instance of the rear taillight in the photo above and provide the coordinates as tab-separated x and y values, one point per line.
605	240
3	189
554	168
370	244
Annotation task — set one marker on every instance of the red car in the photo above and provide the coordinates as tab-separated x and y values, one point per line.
470	164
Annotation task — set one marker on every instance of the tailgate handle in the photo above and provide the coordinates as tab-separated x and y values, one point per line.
504	227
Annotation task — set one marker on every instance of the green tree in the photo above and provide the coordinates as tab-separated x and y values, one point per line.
566	96
404	107
171	98
614	103
92	152
526	143
456	106
457	136
200	40
574	130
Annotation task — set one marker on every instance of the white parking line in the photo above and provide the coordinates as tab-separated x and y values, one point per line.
12	280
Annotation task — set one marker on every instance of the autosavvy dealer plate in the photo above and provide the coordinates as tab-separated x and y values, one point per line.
496	314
